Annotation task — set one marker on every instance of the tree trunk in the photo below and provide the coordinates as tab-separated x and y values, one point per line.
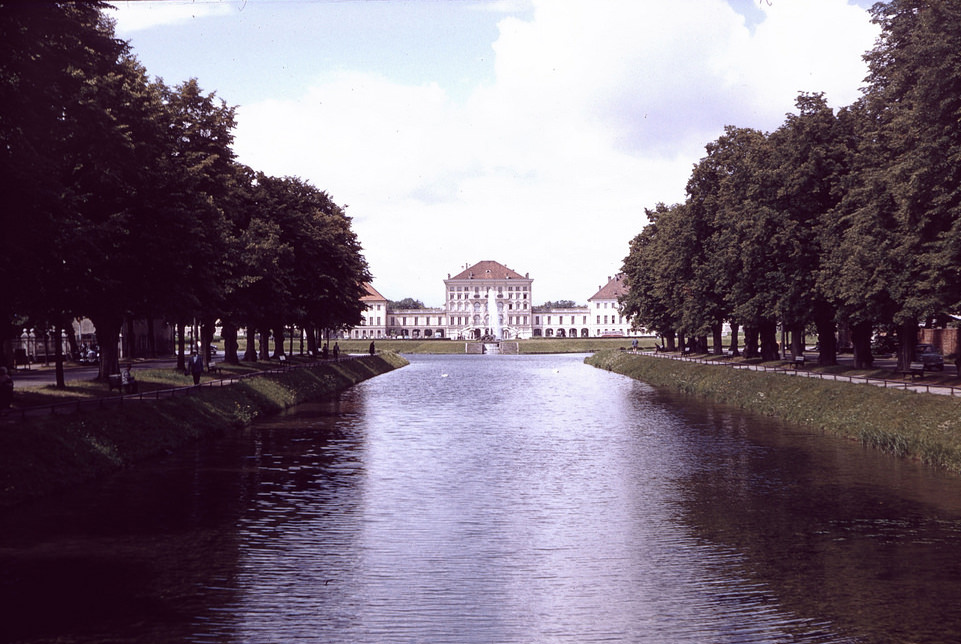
750	342
718	333
907	342
767	331
827	343
279	332
735	329
312	348
231	345
797	340
250	353
681	342
670	339
108	338
129	340
861	339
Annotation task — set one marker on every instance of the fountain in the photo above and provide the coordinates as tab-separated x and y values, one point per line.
495	323
493	315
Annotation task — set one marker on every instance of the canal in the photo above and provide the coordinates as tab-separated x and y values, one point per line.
495	499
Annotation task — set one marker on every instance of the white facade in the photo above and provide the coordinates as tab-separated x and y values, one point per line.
373	323
605	313
555	322
473	294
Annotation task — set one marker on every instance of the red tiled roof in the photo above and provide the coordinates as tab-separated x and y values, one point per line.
614	288
488	270
372	294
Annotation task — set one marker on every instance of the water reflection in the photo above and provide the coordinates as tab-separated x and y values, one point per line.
866	540
496	499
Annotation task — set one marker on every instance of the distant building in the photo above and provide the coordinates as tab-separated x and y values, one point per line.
472	296
555	322
374	322
604	310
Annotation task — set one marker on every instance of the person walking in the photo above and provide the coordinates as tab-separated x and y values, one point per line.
336	351
372	350
195	366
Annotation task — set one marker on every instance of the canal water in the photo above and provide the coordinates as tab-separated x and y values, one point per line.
495	499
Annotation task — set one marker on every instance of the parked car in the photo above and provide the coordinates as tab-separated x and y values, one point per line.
930	356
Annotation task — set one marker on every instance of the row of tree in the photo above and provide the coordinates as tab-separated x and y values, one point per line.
122	199
848	220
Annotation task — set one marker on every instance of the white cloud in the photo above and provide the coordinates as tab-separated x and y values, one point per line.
814	46
598	110
137	16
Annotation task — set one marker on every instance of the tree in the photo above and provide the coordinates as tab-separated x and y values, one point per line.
857	269
808	164
902	206
50	56
653	295
199	187
736	269
406	303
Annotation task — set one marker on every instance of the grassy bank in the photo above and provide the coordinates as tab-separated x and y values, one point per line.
39	455
920	426
534	345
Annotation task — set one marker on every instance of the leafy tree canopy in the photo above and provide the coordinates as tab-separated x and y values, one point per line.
406	303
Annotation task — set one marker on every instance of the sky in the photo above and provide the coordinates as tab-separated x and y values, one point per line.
529	132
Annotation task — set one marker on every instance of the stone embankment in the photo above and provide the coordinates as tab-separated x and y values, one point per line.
44	454
915	425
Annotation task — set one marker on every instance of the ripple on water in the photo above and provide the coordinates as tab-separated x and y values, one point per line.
478	504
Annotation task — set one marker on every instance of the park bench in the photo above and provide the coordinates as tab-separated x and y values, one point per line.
915	370
796	362
124	382
213	368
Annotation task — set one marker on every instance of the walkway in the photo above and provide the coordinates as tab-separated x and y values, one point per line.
156	394
918	386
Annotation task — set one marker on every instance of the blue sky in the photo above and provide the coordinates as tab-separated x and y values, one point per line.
530	132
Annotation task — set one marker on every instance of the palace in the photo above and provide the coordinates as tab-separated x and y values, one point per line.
472	296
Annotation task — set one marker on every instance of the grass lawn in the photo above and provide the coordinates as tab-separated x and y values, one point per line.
534	345
147	380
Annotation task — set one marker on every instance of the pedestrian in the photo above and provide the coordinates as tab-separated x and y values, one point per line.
336	351
634	345
6	390
372	351
195	366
